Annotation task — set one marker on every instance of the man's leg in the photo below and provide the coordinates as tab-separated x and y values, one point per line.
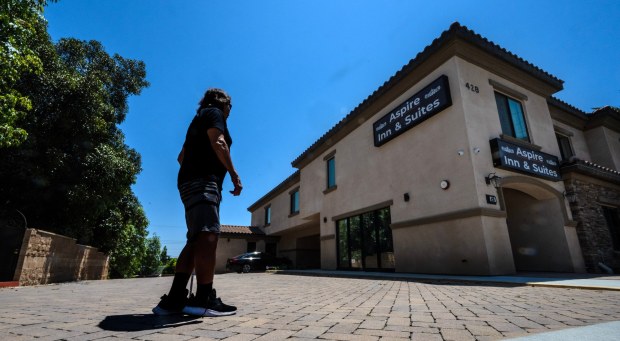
204	260
176	299
185	262
183	270
206	303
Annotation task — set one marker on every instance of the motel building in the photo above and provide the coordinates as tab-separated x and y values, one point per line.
463	162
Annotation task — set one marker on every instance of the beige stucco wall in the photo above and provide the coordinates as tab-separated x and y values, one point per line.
292	245
328	253
227	248
453	247
414	162
483	125
613	139
280	211
604	145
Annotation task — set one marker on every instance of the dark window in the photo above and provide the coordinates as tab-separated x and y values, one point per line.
511	117
612	216
343	244
566	151
331	173
295	201
268	215
251	246
365	241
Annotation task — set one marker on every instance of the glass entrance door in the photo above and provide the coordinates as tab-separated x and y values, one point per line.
365	241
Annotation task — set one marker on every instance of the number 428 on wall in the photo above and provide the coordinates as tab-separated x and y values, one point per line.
473	88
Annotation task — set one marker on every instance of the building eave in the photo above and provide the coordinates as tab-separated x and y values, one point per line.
567	113
591	169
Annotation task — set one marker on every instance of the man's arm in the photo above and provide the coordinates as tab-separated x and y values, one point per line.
180	157
216	137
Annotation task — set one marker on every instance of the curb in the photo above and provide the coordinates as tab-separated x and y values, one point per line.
569	286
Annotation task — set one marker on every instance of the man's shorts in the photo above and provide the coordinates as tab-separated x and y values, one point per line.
201	199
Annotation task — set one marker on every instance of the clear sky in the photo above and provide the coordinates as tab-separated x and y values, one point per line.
296	68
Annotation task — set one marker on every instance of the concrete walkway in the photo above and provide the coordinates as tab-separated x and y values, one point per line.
310	307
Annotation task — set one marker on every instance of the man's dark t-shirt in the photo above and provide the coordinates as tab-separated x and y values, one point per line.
199	158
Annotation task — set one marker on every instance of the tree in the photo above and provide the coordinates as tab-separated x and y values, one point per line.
121	233
73	173
20	22
151	260
164	255
170	267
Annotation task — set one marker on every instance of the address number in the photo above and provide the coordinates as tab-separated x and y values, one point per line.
491	199
472	88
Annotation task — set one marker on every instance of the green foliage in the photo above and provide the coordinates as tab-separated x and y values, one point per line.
170	267
73	173
121	232
164	258
20	22
151	261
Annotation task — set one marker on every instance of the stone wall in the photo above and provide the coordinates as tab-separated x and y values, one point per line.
592	230
50	258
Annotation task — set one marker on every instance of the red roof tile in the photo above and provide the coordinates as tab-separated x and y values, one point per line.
234	229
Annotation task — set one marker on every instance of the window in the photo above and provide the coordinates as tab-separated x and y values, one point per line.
365	241
331	173
511	117
612	216
268	215
566	151
295	201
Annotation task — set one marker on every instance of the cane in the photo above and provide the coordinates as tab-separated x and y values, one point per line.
191	282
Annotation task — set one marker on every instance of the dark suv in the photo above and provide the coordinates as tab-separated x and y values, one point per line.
256	261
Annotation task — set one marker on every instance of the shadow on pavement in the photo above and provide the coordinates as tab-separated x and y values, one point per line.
138	322
418	278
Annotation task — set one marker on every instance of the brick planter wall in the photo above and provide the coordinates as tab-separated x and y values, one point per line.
50	258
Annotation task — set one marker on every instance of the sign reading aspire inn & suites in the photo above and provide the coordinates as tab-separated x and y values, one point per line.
516	158
427	102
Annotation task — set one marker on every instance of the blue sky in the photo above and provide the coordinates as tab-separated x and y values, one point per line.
295	68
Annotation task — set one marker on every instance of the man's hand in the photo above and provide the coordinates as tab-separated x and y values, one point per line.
219	145
237	183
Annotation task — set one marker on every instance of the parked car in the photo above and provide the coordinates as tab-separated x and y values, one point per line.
256	261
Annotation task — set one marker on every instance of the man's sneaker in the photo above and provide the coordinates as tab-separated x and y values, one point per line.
170	305
212	307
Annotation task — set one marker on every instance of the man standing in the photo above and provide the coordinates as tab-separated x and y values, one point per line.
205	160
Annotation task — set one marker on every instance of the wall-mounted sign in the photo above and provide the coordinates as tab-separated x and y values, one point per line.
516	158
429	101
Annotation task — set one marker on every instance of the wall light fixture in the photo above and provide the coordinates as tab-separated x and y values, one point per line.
492	178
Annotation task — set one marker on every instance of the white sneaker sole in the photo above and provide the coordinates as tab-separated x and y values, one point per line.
198	311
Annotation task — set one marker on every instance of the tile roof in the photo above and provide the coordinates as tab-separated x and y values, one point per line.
592	169
456	31
235	229
566	107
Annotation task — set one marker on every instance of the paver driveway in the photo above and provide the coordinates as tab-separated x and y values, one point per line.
273	307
